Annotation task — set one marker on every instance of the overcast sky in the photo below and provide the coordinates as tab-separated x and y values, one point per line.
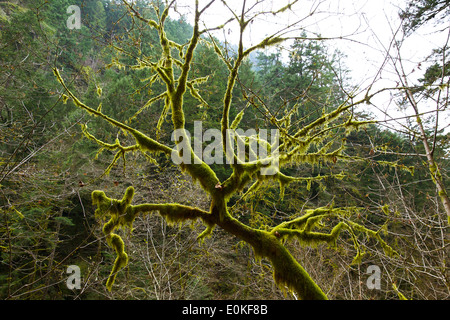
367	29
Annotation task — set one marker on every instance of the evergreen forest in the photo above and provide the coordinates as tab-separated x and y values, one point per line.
356	208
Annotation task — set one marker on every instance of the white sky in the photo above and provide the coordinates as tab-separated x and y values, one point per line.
367	27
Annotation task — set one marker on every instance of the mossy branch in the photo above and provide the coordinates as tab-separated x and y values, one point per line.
195	93
112	147
150	22
148	104
288	273
292	149
145	143
302	227
122	213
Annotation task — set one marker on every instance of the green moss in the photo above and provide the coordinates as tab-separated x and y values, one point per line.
435	172
144	142
204	174
401	296
352	125
288	273
206	233
397	165
385	209
301	229
122	213
64	98
237	120
121	261
120	216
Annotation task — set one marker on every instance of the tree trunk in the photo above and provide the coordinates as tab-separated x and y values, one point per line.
287	271
434	169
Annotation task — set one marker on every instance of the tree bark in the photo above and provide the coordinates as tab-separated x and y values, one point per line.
287	271
434	169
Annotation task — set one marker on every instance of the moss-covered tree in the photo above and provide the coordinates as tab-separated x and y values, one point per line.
322	140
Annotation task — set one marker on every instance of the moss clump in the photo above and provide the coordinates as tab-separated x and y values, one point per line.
121	261
288	273
302	227
122	213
